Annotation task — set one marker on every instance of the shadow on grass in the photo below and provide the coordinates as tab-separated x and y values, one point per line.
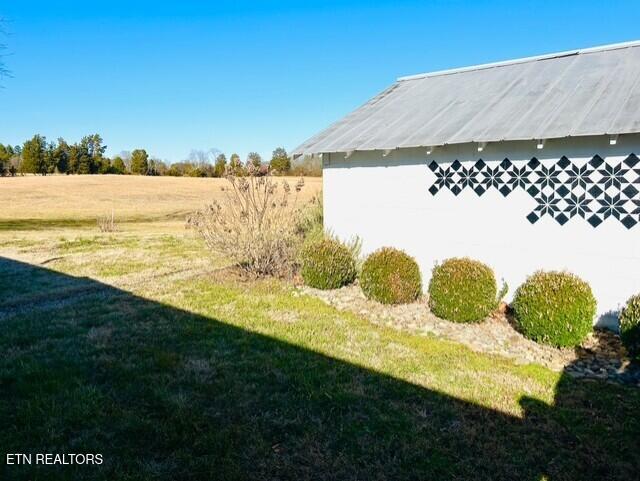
163	393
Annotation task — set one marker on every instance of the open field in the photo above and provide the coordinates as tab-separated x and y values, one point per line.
142	346
77	200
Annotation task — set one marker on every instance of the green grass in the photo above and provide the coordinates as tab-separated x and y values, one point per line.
213	377
84	223
44	224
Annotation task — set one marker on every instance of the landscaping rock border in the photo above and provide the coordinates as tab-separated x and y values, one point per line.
601	356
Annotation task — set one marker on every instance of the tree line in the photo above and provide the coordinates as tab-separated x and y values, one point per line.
38	156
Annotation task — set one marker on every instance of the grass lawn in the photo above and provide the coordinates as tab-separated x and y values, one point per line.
141	346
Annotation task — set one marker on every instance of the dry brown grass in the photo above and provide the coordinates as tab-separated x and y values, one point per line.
85	197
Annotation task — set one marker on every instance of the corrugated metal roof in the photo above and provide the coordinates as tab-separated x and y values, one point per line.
582	92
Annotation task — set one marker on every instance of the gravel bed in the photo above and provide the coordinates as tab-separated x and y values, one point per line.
601	356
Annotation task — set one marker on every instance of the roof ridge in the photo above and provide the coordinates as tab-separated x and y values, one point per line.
504	63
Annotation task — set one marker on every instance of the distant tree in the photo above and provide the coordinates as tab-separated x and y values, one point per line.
178	169
220	165
73	159
200	157
91	150
307	166
126	158
235	165
201	162
151	166
117	165
6	152
174	171
95	146
196	171
254	159
280	162
34	155
49	159
81	160
139	162
84	162
87	157
15	161
161	167
156	167
105	166
60	156
188	169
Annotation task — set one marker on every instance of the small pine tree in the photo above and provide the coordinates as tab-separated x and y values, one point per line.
105	165
85	162
61	157
49	158
34	156
74	159
117	165
139	162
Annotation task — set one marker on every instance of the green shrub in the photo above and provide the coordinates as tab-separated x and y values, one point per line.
630	326
555	308
327	264
391	276
462	290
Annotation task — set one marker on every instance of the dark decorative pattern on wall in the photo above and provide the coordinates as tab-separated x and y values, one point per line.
594	191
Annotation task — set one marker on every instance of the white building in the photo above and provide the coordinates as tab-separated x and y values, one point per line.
527	164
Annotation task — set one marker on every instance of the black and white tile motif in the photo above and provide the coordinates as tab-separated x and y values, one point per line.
594	191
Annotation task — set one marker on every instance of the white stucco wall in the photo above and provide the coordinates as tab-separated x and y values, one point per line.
385	201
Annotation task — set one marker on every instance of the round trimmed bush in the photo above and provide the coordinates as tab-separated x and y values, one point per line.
554	308
327	264
630	326
462	290
391	276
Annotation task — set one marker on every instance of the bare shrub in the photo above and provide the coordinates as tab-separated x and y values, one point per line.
107	223
255	224
311	219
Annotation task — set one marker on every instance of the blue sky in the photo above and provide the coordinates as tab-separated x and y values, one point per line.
242	76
